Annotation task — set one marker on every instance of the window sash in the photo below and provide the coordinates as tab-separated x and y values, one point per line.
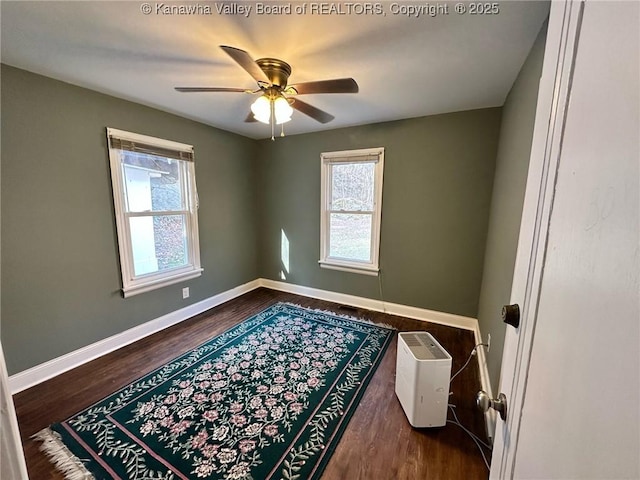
188	266
371	238
133	284
357	195
184	170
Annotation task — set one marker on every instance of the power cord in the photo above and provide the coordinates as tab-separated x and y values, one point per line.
473	352
384	308
477	440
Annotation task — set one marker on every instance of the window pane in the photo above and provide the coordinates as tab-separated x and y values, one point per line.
152	183
350	236
352	186
158	243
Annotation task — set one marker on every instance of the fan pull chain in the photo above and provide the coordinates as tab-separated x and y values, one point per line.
282	132
273	120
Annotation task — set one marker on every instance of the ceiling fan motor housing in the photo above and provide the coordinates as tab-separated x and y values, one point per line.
276	70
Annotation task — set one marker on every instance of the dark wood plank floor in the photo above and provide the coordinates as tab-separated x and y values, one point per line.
378	443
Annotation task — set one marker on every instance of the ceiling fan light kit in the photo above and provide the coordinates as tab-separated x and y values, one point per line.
274	106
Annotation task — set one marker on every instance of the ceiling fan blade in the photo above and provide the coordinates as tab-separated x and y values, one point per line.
243	59
211	89
250	118
338	85
315	113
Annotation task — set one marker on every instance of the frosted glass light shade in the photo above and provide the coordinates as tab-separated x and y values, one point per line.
261	109
282	110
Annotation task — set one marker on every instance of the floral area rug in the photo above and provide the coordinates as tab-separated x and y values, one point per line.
267	399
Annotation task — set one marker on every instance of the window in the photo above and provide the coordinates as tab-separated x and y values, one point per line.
351	207
154	193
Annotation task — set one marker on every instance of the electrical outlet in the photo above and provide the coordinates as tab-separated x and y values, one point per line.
185	292
488	342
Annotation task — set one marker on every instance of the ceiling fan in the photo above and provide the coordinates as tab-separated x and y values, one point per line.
277	101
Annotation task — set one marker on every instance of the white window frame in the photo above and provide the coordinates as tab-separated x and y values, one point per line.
328	159
135	284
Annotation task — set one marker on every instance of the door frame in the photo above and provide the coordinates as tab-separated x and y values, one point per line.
565	19
12	454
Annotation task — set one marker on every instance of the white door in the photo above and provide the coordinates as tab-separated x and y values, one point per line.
571	371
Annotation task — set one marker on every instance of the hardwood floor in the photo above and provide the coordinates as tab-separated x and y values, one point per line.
378	444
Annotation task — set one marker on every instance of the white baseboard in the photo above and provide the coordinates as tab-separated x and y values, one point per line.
32	376
441	318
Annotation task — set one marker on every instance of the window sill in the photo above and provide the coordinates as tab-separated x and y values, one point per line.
132	290
351	268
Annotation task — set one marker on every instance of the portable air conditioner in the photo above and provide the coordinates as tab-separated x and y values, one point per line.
423	370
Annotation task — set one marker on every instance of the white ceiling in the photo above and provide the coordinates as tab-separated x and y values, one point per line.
405	66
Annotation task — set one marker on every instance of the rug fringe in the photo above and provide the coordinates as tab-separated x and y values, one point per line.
65	462
342	315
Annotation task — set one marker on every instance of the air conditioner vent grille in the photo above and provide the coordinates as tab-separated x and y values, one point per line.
422	347
412	341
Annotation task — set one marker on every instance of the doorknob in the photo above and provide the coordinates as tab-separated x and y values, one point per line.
511	315
485	402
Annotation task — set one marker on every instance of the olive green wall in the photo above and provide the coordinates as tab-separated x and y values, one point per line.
60	274
512	164
438	176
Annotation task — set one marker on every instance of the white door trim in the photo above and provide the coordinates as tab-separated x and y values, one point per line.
553	100
12	463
